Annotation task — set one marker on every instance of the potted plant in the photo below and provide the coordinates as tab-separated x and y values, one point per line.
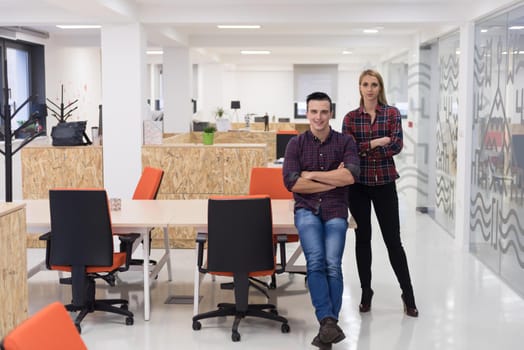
219	112
208	135
223	124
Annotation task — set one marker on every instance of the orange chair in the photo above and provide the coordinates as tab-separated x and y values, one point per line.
269	181
239	238
147	189
49	329
81	242
149	183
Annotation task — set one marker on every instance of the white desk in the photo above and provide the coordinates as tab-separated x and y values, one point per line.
136	216
140	215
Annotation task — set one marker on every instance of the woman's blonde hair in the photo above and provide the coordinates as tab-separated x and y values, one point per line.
382	94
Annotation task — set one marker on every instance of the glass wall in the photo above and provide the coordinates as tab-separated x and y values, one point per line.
497	208
446	133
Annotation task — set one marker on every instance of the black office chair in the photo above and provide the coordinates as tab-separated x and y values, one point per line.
240	244
81	242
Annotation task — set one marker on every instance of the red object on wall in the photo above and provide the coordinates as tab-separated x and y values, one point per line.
410	124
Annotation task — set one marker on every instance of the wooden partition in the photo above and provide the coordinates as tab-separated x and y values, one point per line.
195	171
13	266
231	137
45	166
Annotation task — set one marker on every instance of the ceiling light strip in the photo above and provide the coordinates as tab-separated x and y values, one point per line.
255	52
238	26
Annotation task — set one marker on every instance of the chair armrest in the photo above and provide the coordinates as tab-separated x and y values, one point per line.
201	239
126	245
281	240
45	237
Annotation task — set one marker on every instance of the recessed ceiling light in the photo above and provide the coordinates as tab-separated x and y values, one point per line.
516	27
255	52
238	26
78	26
155	52
370	31
483	30
347	52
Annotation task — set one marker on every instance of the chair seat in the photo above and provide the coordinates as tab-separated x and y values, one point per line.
251	274
119	259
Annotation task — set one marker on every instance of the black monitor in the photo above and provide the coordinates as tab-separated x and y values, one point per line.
282	140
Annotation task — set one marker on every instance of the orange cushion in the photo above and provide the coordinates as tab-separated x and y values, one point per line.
251	274
119	259
50	328
148	184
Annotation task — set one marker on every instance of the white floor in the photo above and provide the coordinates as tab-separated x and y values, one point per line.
462	305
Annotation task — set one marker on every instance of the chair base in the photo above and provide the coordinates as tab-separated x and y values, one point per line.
253	310
101	305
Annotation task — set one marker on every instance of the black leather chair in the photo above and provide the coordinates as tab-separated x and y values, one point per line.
240	244
81	242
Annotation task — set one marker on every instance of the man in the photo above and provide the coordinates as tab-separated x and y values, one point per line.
318	166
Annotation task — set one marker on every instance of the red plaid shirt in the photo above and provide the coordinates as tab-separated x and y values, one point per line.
376	165
306	152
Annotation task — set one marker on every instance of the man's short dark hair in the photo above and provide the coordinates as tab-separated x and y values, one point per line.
319	96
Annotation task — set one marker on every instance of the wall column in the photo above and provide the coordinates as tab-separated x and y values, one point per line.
177	89
124	106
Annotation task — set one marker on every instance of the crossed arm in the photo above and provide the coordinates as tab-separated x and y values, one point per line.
320	181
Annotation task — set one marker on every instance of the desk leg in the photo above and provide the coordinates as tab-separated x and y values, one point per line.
35	269
168	254
147	298
196	292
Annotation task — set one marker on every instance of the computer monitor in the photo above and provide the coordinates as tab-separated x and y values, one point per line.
282	141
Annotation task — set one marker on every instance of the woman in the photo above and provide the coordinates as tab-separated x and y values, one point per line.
377	129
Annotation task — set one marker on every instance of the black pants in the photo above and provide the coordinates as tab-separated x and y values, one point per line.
385	203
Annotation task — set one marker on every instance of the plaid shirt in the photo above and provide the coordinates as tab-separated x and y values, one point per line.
376	165
306	153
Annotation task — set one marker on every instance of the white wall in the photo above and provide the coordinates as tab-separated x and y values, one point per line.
262	89
78	69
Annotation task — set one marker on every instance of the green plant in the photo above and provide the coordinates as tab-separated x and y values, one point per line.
210	129
219	112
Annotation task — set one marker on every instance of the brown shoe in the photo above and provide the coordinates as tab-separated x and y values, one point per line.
319	344
329	331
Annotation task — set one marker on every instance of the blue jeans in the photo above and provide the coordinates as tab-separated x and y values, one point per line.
323	245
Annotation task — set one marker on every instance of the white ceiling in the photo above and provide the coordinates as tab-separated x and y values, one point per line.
295	31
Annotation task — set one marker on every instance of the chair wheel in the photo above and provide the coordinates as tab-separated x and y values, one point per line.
272	285
78	328
285	328
197	325
235	336
129	321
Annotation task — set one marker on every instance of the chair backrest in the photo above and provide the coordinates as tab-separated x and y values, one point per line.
283	137
149	183
268	181
49	329
81	231
240	234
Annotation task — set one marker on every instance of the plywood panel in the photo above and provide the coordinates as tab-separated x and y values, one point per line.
195	171
46	167
13	268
